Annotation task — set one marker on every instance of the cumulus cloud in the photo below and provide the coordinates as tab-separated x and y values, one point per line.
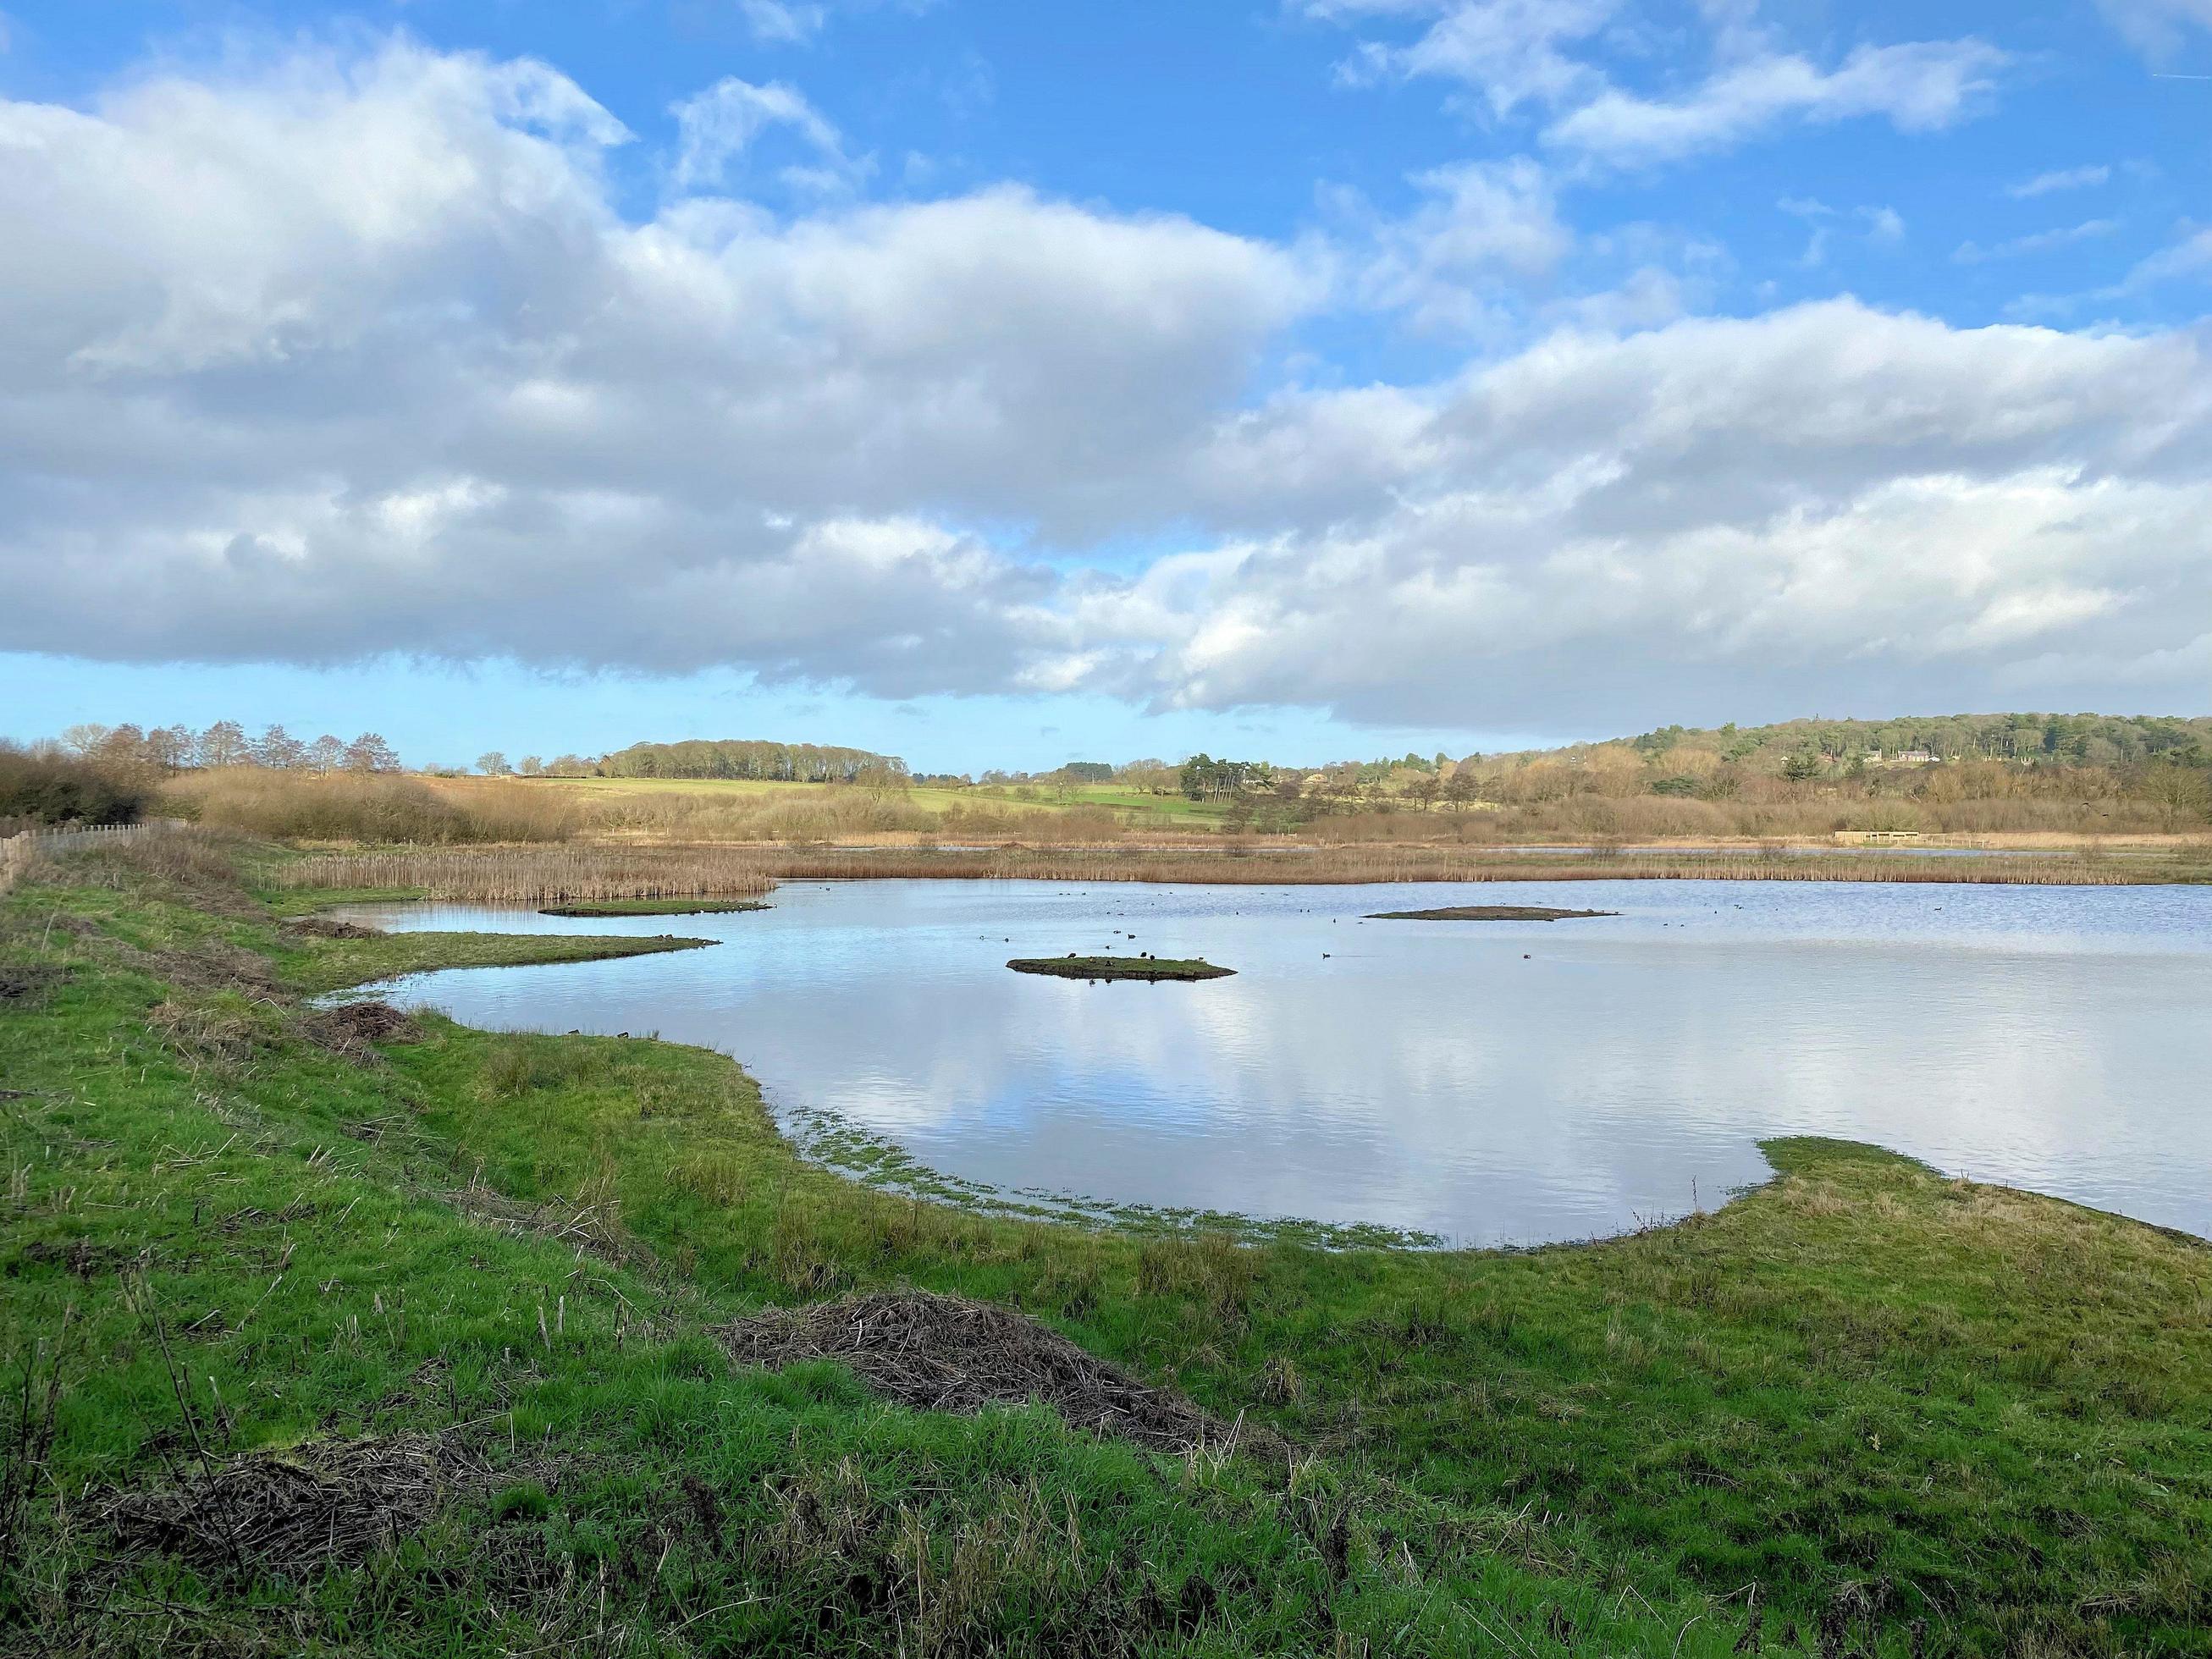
359	354
1884	505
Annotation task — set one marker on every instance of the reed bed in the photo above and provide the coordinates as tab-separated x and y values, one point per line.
536	874
1304	865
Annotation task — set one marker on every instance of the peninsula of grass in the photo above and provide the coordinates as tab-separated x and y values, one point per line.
1488	912
653	907
460	1344
1146	968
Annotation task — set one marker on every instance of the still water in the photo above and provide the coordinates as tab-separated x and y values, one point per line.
1487	1082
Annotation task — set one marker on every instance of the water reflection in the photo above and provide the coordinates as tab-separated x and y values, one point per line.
1490	1082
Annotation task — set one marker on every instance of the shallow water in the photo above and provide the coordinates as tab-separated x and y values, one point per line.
1488	1082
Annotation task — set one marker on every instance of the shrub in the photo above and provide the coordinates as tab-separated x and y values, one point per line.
51	788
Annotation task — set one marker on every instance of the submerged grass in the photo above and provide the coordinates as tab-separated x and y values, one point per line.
474	1298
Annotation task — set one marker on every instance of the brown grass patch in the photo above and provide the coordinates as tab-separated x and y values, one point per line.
950	1354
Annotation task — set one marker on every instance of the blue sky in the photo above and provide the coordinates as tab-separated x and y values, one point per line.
1000	383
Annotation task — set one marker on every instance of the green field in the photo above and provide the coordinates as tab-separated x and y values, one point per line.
315	1342
1139	807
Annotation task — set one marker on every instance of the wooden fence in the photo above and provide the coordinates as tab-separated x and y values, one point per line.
17	852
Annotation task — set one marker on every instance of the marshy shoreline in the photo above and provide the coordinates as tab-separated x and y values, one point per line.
546	1263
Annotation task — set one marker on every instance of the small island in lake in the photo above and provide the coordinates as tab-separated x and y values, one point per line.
652	907
1488	912
1152	968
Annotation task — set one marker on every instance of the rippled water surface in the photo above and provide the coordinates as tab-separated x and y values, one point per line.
1486	1081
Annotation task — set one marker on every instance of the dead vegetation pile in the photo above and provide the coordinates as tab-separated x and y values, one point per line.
947	1354
349	1027
289	1513
325	927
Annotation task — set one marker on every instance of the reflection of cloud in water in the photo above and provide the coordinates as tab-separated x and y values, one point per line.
1429	1076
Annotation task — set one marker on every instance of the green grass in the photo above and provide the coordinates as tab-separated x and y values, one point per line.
333	964
653	907
1878	1395
1142	968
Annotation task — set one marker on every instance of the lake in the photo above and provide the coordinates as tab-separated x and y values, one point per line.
1488	1083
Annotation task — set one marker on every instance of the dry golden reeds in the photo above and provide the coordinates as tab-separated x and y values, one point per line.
1287	865
538	875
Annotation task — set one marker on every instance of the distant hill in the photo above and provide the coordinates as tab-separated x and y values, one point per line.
748	758
2063	739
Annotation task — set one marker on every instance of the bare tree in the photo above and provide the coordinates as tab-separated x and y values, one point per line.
223	743
85	738
279	749
369	752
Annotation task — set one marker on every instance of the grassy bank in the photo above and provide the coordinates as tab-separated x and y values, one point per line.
1144	967
469	1286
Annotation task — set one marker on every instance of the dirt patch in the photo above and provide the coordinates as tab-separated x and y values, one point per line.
324	927
1488	912
290	1512
79	1255
947	1354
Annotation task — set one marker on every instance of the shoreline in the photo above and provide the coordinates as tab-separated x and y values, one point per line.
526	1253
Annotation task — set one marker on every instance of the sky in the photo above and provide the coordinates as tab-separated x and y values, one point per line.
1001	384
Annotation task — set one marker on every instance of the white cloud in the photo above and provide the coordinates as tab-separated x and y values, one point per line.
1512	51
2157	27
2043	183
2190	256
2041	241
1479	225
715	126
779	22
360	356
1918	87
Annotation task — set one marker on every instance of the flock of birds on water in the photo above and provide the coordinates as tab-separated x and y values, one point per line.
1146	956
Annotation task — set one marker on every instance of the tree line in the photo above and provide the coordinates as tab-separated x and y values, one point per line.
748	758
2022	738
170	749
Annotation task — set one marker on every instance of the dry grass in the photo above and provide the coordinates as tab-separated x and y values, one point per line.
297	806
1246	864
537	875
